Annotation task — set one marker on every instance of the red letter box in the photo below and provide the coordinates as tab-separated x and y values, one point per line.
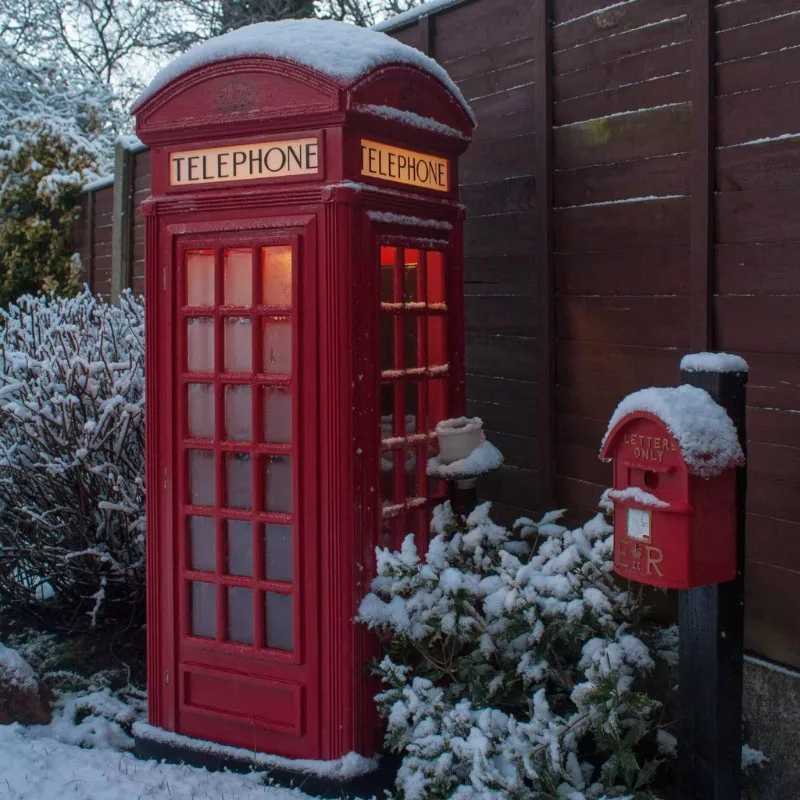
304	337
674	452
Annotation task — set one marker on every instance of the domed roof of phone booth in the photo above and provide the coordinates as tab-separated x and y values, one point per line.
705	434
343	52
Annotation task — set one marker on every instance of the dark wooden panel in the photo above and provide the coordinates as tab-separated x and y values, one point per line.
772	165
625	44
514	233
482	60
773	384
499	268
643	178
498	160
509	101
597	404
577	431
408	35
774	34
655	92
760	324
513	420
518	451
622	71
512	486
658	131
580	498
758	268
648	271
478	26
773	426
503	391
754	115
502	80
501	314
648	321
499	124
499	197
104	200
584	464
623	368
102	250
615	20
747	12
775	461
501	356
654	223
769	630
770	497
758	216
566	10
773	541
767	69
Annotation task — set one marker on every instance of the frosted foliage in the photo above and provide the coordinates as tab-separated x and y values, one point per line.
704	432
515	666
72	455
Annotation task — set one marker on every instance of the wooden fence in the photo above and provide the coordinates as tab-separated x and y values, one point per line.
632	194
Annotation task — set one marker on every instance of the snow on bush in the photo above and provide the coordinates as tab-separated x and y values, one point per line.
515	664
72	456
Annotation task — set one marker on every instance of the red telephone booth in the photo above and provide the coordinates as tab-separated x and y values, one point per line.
304	336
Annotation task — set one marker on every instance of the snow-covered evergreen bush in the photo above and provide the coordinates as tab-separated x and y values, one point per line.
72	457
516	666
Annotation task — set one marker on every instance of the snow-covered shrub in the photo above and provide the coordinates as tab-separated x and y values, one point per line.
515	666
72	457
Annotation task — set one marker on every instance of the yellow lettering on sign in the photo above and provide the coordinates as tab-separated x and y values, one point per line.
404	166
244	162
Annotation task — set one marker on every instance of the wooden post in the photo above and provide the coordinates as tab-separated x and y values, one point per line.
122	230
711	622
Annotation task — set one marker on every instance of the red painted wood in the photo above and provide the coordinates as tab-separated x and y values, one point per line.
311	697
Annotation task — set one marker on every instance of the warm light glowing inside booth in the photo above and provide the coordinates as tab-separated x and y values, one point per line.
237	490
414	374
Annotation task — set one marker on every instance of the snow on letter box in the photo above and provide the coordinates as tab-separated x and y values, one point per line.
674	452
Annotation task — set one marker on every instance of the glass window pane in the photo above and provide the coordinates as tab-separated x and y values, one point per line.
387	342
388	255
200	344
240	615
201	410
204	609
411	466
277	414
410	276
238	414
411	330
388	471
280	621
203	543
412	393
200	278
278	553
437	402
238	345
238	480
387	410
437	341
238	276
201	477
240	548
279	484
276	276
435	270
277	346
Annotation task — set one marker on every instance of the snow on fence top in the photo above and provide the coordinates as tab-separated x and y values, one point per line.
704	432
342	51
413	14
713	362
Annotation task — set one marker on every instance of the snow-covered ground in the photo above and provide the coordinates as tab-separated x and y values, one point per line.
40	767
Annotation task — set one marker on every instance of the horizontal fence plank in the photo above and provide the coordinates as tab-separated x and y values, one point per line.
773	541
758	216
660	175
584	464
755	115
758	72
503	391
501	356
499	267
770	165
513	420
649	321
501	80
655	92
515	232
503	314
598	404
653	223
579	431
773	34
770	497
771	382
566	10
513	486
758	268
613	21
493	161
601	51
508	195
579	498
759	324
622	71
466	65
655	132
647	271
773	426
518	451
774	460
748	12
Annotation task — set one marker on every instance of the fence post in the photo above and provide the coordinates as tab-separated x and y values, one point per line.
122	231
711	623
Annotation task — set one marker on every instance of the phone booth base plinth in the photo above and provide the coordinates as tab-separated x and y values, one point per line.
152	744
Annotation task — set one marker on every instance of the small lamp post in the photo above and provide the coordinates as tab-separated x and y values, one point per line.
464	455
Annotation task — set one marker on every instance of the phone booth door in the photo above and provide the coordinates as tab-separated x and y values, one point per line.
244	565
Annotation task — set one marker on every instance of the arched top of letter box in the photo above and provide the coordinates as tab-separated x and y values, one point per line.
300	71
701	430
